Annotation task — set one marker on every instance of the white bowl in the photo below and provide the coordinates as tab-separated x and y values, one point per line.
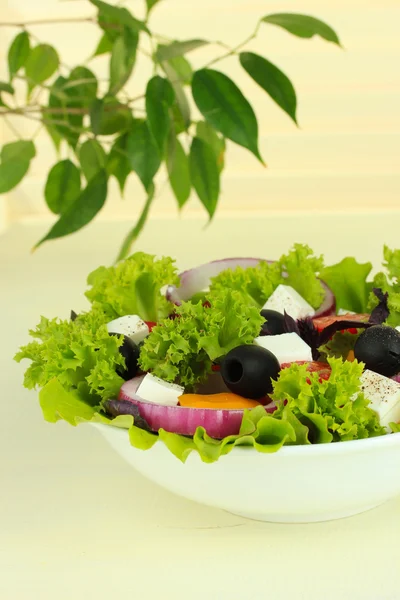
297	484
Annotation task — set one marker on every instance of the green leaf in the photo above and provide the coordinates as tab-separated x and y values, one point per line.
90	201
118	15
182	104
159	98
223	105
21	150
123	57
178	170
143	153
81	87
18	53
15	161
303	26
73	123
150	4
55	136
166	52
11	173
272	80
204	174
92	158
348	281
134	233
63	186
118	162
104	46
207	133
6	87
108	116
41	64
183	69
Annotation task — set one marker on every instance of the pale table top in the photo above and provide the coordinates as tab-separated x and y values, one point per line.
76	522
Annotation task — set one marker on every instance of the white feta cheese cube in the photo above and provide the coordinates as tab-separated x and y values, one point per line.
156	390
130	325
285	298
287	347
384	396
344	311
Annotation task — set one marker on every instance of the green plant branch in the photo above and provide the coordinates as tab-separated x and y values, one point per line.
236	49
32	23
12	128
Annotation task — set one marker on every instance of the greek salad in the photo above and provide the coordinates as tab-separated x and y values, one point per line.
237	352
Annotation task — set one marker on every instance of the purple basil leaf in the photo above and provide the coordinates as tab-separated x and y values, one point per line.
381	312
290	324
326	334
123	407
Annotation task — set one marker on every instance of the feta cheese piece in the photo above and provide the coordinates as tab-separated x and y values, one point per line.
384	396
285	298
156	390
344	311
287	347
130	325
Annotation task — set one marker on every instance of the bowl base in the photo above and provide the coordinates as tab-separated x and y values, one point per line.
299	518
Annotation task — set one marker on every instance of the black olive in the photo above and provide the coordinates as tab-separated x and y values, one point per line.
248	370
74	315
274	322
379	348
130	351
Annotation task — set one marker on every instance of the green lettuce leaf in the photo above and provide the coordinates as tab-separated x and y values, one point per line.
182	350
340	345
133	286
302	268
390	283
348	281
256	284
333	410
80	354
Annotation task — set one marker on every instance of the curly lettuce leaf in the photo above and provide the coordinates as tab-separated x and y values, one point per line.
334	410
302	267
256	284
133	286
389	283
348	281
80	354
299	269
182	350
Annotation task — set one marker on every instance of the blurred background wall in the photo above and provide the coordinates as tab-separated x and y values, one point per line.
345	155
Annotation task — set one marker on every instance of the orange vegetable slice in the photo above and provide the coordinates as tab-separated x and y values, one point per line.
224	400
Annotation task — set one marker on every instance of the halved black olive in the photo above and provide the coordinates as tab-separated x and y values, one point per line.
274	322
248	371
379	348
130	351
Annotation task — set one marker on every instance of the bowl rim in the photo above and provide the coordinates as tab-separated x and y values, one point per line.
327	449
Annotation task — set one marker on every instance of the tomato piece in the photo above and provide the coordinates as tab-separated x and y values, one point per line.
322	322
150	325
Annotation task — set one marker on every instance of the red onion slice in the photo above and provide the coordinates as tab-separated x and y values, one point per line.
218	423
195	280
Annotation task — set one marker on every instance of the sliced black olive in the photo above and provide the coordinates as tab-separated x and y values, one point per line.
74	315
379	348
248	371
274	322
130	351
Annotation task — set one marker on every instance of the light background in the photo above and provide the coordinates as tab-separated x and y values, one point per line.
345	157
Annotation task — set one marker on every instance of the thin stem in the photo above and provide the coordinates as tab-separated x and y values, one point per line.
234	50
12	128
50	22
